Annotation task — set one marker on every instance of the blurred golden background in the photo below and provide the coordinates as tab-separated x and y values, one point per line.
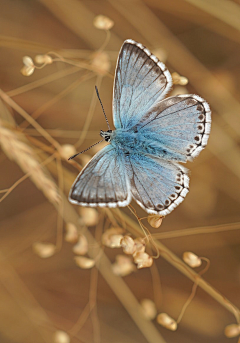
46	294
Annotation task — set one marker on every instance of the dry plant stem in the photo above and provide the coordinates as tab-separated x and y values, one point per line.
26	116
184	269
22	44
60	206
63	133
197	231
156	284
90	114
108	35
111	217
187	303
81	320
176	262
116	283
93	288
194	289
227	11
24	177
80	65
43	81
56	98
25	300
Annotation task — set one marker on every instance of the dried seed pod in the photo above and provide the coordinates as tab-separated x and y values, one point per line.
165	320
140	244
29	66
61	337
102	22
191	259
89	216
43	59
123	265
84	262
71	233
101	62
44	250
143	260
149	309
67	150
155	220
128	245
81	248
27	71
232	330
112	237
179	80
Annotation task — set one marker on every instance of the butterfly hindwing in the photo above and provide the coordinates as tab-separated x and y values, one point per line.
103	181
141	80
157	185
180	123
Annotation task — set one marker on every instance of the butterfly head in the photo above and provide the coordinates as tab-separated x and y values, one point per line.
106	135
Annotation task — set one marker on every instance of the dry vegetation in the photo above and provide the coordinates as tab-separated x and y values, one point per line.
86	275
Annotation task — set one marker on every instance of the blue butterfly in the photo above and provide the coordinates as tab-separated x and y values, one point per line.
151	136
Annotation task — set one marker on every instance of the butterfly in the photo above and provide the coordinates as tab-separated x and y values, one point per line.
152	135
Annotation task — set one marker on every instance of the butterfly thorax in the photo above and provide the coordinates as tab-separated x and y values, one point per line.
139	142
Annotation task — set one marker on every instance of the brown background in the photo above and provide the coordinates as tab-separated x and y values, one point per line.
201	41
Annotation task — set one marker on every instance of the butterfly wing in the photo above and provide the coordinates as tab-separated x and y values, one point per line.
140	81
103	181
180	123
157	185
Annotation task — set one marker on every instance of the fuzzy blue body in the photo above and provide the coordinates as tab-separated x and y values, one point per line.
143	142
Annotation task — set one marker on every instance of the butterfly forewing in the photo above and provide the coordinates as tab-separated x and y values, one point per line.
140	82
103	181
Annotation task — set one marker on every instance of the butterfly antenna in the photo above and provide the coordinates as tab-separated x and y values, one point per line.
102	107
70	158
